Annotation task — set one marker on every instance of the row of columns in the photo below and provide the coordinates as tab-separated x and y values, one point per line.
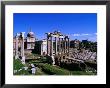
63	44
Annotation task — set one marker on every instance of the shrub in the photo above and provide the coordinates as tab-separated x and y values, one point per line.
17	64
23	72
52	70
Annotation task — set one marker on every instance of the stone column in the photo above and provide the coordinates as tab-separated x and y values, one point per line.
62	46
65	45
41	48
47	44
16	47
23	43
51	50
68	45
59	45
55	45
22	48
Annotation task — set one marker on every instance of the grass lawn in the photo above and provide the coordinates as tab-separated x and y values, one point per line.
45	69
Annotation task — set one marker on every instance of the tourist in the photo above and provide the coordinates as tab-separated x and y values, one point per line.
33	70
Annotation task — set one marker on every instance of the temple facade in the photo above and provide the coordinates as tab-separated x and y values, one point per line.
57	43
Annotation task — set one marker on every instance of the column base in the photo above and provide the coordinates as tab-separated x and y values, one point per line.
23	60
16	57
53	60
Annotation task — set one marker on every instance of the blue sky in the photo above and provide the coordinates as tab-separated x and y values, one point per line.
76	25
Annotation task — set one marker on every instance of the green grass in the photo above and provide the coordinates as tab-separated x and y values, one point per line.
78	72
52	70
46	69
22	72
17	64
82	73
40	72
55	70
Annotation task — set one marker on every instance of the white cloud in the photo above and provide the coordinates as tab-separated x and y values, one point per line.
83	34
95	33
76	34
86	34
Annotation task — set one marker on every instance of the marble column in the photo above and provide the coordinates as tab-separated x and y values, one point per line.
41	48
22	48
16	47
68	45
55	45
65	45
62	46
21	51
59	45
51	49
47	44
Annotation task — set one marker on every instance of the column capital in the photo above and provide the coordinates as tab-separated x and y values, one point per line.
22	34
17	34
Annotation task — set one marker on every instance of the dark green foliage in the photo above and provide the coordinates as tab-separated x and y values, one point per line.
49	60
71	66
55	70
23	72
46	59
52	70
91	64
92	46
82	73
48	69
37	47
17	64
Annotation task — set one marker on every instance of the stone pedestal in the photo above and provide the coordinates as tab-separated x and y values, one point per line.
53	59
16	57
23	60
